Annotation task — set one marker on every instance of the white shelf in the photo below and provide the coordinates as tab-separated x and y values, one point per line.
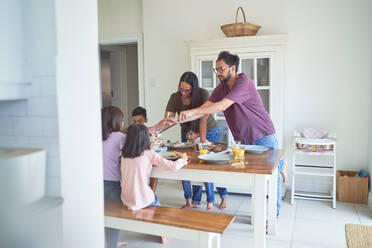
299	164
318	142
311	171
312	195
14	91
311	153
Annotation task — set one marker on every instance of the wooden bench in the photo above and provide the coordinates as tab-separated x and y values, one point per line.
202	227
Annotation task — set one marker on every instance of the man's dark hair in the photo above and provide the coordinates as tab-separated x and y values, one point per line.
136	142
139	111
230	59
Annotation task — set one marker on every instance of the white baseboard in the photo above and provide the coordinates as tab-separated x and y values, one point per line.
370	201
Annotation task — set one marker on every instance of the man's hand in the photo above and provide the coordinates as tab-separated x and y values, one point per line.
185	116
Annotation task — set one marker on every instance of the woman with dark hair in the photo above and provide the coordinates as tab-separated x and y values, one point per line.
190	96
136	165
113	141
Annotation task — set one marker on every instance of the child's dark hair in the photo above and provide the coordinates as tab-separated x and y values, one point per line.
139	111
111	120
191	127
136	142
230	59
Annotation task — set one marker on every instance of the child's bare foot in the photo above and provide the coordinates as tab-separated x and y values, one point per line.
122	244
209	205
188	204
284	171
196	206
223	204
163	239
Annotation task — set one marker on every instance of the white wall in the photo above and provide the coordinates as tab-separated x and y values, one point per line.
30	51
119	17
78	89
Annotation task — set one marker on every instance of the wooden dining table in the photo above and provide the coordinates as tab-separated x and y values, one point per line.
258	175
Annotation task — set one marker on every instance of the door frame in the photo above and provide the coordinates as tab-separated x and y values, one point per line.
125	39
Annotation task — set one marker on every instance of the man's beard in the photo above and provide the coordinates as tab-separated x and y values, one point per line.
226	79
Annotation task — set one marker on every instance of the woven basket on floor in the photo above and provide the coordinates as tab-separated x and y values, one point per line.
240	29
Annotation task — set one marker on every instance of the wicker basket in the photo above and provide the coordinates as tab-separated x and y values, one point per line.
240	29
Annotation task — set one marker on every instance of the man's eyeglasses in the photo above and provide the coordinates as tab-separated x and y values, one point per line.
185	91
219	69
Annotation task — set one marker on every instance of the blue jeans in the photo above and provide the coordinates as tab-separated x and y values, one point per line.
213	135
272	142
112	190
156	202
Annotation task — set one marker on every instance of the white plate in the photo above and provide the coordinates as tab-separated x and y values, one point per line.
166	155
216	158
256	148
179	145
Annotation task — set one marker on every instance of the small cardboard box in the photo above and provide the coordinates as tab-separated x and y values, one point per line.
352	189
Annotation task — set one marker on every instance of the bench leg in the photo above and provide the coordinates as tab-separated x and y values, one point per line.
209	240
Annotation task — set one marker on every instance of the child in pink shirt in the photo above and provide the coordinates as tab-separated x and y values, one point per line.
136	165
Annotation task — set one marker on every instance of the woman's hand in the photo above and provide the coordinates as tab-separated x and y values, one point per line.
171	121
151	130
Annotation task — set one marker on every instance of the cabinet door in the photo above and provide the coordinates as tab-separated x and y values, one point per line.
257	67
209	81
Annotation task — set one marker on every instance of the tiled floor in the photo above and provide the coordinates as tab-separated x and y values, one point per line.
306	224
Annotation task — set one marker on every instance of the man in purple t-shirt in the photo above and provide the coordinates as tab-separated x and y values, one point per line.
241	104
239	100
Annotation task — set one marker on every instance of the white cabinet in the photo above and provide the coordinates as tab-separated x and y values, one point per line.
261	58
13	84
306	156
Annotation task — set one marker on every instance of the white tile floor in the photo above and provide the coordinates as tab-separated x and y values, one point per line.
306	224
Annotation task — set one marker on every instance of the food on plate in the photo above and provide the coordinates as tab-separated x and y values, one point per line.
216	148
173	155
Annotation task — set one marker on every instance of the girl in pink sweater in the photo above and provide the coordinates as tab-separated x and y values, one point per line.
136	165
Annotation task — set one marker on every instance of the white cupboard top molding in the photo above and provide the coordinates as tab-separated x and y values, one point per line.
238	42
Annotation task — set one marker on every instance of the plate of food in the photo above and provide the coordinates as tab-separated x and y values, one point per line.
256	148
216	158
179	145
169	155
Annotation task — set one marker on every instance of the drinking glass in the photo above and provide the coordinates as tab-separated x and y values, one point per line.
203	149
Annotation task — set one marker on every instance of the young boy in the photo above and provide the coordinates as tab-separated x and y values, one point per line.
192	134
139	116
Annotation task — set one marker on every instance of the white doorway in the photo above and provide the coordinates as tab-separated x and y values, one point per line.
121	73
